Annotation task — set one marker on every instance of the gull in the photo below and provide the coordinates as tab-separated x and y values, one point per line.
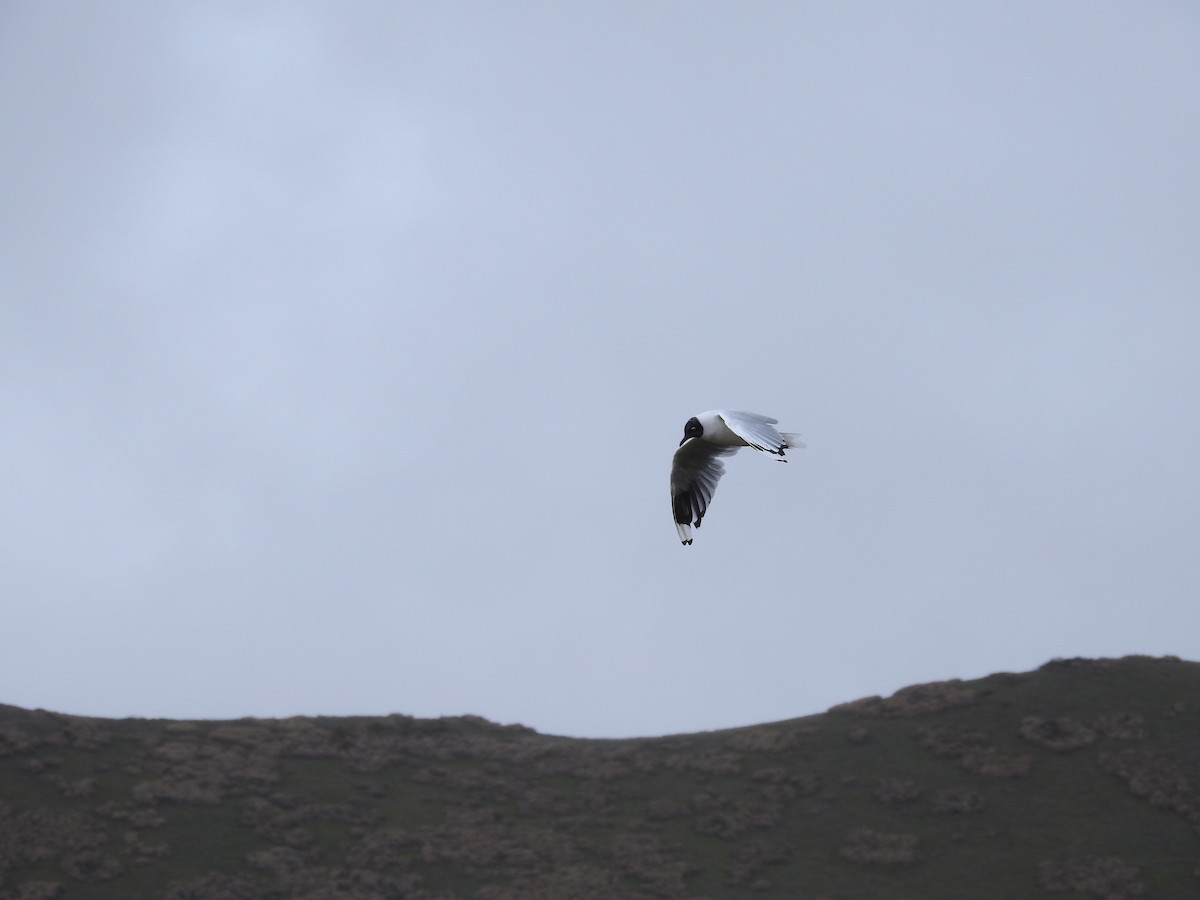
697	467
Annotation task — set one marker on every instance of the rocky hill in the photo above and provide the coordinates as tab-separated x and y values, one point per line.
1073	780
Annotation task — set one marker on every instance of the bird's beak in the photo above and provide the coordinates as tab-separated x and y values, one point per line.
684	441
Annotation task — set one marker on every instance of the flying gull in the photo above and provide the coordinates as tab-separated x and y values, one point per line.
697	467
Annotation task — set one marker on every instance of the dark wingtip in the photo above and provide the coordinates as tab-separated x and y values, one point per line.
687	542
681	506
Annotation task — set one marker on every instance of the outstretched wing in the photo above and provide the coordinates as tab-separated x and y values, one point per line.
757	431
694	475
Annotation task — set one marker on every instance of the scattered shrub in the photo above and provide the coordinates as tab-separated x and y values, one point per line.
710	762
246	733
1122	725
38	890
15	741
1108	878
770	739
973	751
574	882
948	743
780	785
192	787
723	817
279	861
91	865
383	849
879	848
996	764
219	887
144	851
602	770
858	735
545	800
83	733
38	835
721	824
1056	734
749	859
137	816
912	701
648	861
82	787
956	801
897	792
1075	662
475	839
1154	777
662	808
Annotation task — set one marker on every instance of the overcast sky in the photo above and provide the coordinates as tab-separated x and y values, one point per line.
344	348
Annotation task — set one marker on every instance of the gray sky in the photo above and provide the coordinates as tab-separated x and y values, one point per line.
344	348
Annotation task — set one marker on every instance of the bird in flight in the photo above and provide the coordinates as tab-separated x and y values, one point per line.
697	467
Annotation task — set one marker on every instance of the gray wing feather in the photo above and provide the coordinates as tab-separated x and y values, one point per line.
756	430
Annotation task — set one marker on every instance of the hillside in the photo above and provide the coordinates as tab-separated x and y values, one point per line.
1073	780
